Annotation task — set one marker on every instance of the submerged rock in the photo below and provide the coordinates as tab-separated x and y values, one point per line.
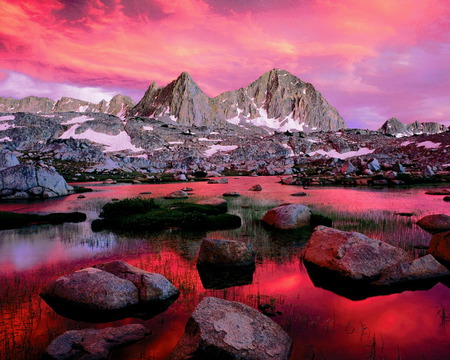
256	187
221	329
440	246
288	216
435	223
93	344
218	181
231	194
351	255
418	270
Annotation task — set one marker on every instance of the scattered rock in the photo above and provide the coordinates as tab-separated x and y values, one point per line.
438	192
446	198
256	187
145	193
288	216
440	246
218	252
218	181
7	159
187	189
231	194
300	193
110	181
93	344
81	196
435	223
221	329
178	194
351	255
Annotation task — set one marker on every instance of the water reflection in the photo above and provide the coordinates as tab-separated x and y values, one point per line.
322	323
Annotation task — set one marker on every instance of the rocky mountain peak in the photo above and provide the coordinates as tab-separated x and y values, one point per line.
395	127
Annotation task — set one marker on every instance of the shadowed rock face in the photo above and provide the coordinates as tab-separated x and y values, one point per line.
93	344
277	95
221	329
440	246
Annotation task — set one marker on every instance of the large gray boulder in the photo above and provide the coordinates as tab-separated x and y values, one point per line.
152	287
221	329
435	223
93	344
29	181
7	159
351	255
288	216
92	289
219	252
440	246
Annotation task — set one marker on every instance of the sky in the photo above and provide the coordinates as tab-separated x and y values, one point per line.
371	59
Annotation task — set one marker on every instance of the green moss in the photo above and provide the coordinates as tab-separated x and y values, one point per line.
11	220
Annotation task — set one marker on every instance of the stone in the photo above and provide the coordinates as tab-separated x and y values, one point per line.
348	168
256	187
440	246
215	201
373	165
422	269
92	289
93	344
300	193
446	198
187	189
427	171
7	159
288	216
221	329
351	255
109	181
26	180
438	192
435	223
231	194
180	177
218	252
218	181
178	194
152	287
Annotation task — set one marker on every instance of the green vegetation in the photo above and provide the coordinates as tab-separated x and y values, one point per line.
11	220
144	214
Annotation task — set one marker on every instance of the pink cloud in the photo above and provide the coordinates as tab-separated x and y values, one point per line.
361	55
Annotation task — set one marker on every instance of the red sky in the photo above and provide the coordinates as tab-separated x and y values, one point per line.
371	59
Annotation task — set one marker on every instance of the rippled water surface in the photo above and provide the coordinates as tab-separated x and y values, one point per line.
323	325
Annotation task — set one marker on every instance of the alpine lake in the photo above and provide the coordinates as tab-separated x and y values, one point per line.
322	323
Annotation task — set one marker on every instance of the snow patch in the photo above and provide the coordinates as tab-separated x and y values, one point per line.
216	148
406	143
148	128
7	117
291	152
429	145
6	138
6	126
77	120
175	142
206	139
334	154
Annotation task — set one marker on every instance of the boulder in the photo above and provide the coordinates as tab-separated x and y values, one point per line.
427	171
221	329
351	255
300	193
348	168
231	194
288	216
92	289
7	159
215	201
373	165
422	269
438	192
440	246
178	194
29	181
446	198
256	187
93	344
435	223
218	252
152	287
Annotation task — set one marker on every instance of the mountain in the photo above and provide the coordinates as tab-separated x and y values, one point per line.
181	101
280	101
276	101
118	105
395	127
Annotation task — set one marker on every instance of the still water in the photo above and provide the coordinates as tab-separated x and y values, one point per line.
323	325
